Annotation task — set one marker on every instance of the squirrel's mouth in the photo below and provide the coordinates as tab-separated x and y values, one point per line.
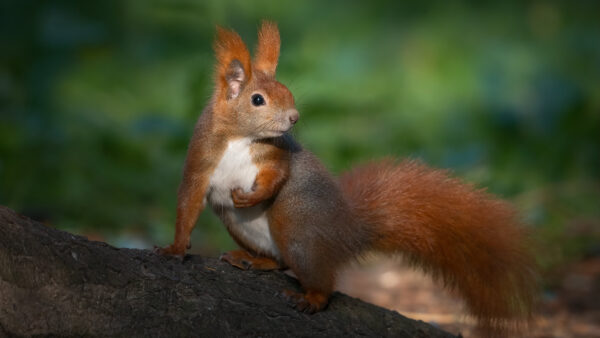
275	129
270	133
273	133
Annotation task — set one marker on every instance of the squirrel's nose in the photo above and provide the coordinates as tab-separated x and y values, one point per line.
293	116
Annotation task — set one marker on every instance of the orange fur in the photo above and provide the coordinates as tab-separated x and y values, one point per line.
309	302
267	182
244	260
208	142
229	47
462	236
203	153
267	50
228	117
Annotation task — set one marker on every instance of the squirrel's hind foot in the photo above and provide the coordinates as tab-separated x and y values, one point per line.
309	302
242	259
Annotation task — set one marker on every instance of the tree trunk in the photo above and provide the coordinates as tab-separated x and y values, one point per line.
55	283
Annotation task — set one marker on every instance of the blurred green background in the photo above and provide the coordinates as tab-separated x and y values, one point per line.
99	99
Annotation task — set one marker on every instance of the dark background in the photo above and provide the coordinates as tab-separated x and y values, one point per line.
98	100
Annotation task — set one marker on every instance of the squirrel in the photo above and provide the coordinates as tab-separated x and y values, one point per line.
286	211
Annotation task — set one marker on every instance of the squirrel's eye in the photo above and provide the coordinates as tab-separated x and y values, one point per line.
258	100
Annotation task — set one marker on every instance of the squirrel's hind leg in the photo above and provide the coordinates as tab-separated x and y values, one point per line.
316	279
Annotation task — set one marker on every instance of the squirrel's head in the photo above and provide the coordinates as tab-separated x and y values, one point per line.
247	96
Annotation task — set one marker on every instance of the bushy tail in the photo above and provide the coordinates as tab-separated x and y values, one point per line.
460	235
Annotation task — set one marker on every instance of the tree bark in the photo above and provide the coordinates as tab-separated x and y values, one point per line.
56	283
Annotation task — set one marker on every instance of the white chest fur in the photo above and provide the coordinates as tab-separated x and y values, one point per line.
236	170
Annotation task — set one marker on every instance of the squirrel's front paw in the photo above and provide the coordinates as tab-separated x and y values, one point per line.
242	199
170	250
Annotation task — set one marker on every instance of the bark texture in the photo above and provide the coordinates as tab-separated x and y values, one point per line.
56	283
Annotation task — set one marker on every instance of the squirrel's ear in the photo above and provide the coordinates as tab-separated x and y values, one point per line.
267	51
233	63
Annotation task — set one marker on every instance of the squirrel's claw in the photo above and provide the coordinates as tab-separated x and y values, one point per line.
309	302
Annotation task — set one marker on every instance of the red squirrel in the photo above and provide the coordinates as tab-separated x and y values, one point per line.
286	211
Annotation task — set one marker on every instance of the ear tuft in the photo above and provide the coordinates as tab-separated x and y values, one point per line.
233	63
267	51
